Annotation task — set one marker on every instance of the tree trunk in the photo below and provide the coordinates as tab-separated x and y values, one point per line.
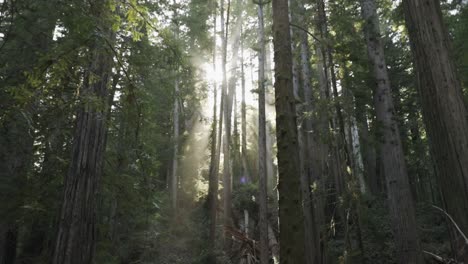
76	235
290	211
444	111
402	210
245	170
227	219
176	124
273	245
213	173
368	149
263	205
309	149
358	164
322	128
175	137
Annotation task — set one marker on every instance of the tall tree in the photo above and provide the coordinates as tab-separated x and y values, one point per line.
245	170
309	149
76	235
213	173
402	210
291	224
227	219
262	186
322	128
444	111
176	123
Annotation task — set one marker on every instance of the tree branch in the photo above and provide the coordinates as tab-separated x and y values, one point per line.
306	31
453	222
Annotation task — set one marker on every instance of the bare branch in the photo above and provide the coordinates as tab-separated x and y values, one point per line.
453	222
434	256
306	31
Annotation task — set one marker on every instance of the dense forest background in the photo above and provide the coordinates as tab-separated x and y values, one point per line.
233	131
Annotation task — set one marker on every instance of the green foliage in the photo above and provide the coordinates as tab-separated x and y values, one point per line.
245	198
458	28
44	64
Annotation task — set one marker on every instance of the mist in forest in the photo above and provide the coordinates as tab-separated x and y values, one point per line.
233	131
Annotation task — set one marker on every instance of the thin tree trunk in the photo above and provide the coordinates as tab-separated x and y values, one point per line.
213	173
175	163
309	150
176	124
290	210
358	165
322	128
402	210
263	222
245	170
270	167
273	245
367	144
227	219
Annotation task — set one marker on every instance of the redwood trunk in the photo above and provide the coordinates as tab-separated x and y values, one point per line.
213	173
76	235
263	221
290	210
444	112
401	206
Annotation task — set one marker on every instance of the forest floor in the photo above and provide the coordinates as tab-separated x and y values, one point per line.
185	239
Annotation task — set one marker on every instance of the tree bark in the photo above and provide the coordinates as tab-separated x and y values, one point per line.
262	186
245	170
290	211
175	137
76	235
309	150
176	124
402	210
322	128
213	173
444	111
358	164
273	244
227	219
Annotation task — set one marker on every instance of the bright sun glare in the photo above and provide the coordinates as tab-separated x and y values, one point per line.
211	74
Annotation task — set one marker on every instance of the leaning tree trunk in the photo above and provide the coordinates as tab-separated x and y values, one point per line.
76	235
444	112
290	210
263	211
402	210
